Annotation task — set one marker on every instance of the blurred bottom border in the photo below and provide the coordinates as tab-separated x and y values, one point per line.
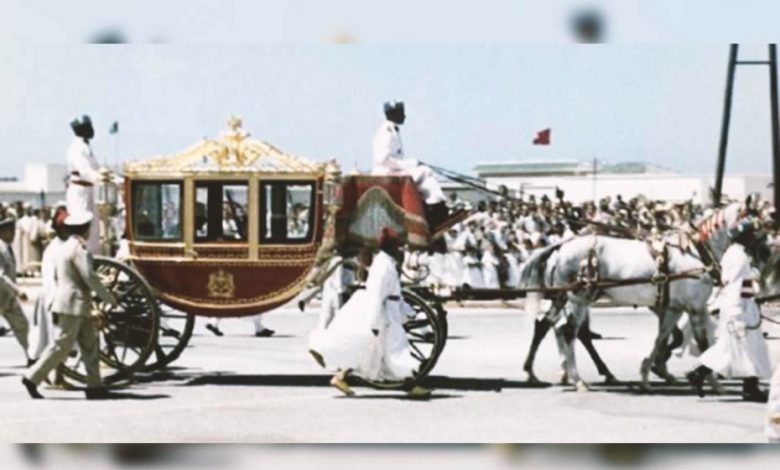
381	457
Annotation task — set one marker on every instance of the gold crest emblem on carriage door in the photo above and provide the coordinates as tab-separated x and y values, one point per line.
221	285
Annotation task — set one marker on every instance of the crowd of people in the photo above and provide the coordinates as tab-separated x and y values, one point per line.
487	250
33	233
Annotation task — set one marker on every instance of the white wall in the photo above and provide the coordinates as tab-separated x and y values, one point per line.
670	187
49	178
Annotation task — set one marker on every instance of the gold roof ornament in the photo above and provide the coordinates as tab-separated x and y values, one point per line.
233	152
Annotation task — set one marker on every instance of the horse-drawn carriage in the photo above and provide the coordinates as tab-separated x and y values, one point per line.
234	227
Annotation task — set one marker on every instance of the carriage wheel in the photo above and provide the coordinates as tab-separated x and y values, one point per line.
426	333
128	332
415	274
175	334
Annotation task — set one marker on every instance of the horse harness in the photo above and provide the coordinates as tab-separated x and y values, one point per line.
590	284
659	251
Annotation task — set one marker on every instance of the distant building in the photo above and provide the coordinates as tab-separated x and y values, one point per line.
584	181
42	184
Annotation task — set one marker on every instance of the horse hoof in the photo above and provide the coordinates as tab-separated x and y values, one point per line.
670	379
644	387
582	387
532	380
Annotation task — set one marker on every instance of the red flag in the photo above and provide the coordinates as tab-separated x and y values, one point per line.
542	137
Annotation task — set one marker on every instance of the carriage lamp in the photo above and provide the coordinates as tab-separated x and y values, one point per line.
332	185
107	190
105	202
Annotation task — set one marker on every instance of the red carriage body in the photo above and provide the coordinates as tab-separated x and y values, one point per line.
232	226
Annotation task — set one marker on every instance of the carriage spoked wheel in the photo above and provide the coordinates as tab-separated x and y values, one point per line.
426	333
128	332
175	334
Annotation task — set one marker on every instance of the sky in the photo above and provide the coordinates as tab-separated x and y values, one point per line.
478	82
465	103
397	21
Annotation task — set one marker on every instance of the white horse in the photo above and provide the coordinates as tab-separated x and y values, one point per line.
624	260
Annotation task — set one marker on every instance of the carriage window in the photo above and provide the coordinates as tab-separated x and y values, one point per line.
221	211
287	212
157	211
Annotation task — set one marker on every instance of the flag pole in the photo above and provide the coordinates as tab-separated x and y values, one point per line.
116	149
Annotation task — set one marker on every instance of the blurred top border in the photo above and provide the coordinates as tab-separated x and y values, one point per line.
396	22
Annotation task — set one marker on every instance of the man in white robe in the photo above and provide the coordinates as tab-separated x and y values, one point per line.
25	231
740	350
490	264
84	177
367	336
453	259
472	274
389	159
334	289
42	329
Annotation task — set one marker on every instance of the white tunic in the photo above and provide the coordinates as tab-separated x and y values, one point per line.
84	177
490	270
42	329
332	290
349	344
453	262
513	274
389	153
472	275
389	159
740	350
25	230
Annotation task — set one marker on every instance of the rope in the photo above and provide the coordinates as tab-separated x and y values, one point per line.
770	320
467	180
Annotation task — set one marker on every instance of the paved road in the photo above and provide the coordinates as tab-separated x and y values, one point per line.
239	388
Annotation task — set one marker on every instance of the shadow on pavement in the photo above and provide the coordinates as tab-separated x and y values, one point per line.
135	396
680	388
244	335
275	336
477	384
274	380
397	396
433	382
112	396
165	375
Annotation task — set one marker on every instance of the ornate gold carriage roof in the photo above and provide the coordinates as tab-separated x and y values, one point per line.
233	152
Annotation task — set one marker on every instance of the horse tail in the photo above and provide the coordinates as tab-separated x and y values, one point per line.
532	274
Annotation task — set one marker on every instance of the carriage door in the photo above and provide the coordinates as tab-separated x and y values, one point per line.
221	211
287	212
